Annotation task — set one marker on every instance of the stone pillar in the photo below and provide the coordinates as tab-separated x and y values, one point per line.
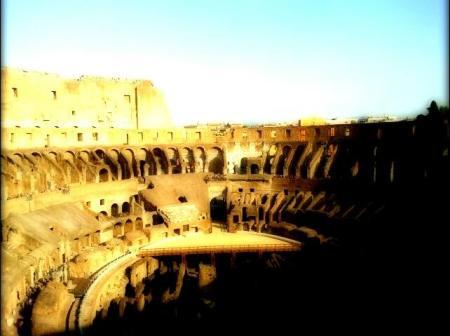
83	175
146	169
119	172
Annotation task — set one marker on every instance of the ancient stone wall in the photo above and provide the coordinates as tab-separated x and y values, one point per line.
33	99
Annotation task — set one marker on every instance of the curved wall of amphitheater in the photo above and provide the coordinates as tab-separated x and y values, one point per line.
92	169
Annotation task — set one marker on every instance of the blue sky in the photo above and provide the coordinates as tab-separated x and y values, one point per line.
249	61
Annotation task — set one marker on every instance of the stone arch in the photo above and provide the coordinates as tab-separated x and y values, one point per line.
161	159
103	175
187	160
129	168
216	160
115	210
145	162
118	230
128	225
103	214
113	155
270	156
292	169
282	160
125	207
69	166
84	162
200	159
174	160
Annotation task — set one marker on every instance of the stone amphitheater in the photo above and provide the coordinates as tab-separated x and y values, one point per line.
103	198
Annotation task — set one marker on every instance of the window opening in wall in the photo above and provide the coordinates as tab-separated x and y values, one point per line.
332	131
15	92
286	191
240	190
273	134
170	135
102	202
182	199
128	139
64	135
141	136
317	131
347	131
259	132
185	227
54	95
127	98
198	135
47	140
80	136
73	112
232	134
88	204
11	138
288	133
235	219
252	189
95	136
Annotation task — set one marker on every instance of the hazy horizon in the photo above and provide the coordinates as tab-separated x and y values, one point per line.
246	61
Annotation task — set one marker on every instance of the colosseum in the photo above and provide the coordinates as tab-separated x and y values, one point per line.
115	221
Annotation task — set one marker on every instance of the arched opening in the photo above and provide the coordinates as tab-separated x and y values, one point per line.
128	226
293	165
174	160
161	160
117	231
139	223
114	210
282	160
254	169
264	199
200	158
103	175
216	162
187	157
269	159
157	219
126	208
244	162
218	209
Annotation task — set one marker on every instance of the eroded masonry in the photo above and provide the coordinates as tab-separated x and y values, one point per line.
102	198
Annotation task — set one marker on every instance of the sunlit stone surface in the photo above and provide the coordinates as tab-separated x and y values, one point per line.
114	220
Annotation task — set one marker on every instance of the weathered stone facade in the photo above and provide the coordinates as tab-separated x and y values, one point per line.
92	170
